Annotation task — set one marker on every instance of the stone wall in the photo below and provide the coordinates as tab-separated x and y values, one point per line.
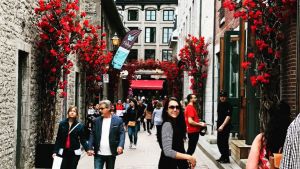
17	34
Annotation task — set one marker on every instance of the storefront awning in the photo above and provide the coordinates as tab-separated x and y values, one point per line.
147	84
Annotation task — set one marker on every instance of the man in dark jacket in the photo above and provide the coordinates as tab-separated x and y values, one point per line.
223	126
107	138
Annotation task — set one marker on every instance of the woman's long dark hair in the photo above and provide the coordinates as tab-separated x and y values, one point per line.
149	107
179	121
277	126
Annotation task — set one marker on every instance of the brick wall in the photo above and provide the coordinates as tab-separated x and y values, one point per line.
288	80
230	22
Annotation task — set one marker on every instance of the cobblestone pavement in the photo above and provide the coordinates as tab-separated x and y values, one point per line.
145	156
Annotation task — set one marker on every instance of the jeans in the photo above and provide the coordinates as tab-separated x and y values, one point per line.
132	132
109	161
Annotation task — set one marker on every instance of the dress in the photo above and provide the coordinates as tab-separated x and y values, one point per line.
170	147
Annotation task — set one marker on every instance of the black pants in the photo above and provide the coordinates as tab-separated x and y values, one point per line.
193	140
149	125
158	134
143	123
222	142
70	160
170	163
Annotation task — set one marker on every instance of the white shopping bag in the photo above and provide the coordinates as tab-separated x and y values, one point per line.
56	162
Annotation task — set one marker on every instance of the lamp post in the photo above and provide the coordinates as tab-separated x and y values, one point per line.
113	74
115	42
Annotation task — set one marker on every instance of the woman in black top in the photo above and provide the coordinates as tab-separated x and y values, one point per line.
69	136
131	122
173	154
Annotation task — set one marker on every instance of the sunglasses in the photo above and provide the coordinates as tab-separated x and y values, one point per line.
101	108
173	107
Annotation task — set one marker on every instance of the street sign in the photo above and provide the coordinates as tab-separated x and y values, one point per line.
105	78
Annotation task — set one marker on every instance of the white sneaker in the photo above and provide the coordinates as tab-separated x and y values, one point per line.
134	146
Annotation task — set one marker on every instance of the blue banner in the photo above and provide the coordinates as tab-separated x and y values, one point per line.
124	49
120	58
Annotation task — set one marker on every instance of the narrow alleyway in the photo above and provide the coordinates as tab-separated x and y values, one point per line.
146	155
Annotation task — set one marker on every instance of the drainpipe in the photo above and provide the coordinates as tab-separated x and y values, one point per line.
213	71
200	17
298	58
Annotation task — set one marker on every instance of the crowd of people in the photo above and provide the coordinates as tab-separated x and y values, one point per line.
175	123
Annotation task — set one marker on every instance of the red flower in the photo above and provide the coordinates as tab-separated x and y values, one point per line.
83	14
245	65
251	55
253	80
261	66
53	52
52	93
53	70
86	23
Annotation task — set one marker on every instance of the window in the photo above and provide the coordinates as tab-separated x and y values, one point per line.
150	34
133	55
150	15
167	55
168	15
134	28
133	15
167	32
149	54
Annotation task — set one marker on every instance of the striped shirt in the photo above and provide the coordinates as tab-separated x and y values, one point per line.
291	149
167	140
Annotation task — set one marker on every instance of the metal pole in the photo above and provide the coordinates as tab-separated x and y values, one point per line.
298	58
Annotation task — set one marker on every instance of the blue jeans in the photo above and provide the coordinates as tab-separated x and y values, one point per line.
99	161
132	132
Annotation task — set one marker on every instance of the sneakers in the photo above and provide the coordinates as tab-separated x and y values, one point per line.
130	146
133	146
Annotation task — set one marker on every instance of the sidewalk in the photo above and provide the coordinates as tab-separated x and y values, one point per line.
146	156
212	152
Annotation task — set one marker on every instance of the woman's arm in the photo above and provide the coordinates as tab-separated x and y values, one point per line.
167	139
82	137
253	158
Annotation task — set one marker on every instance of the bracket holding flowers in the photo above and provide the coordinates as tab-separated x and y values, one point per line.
64	34
194	55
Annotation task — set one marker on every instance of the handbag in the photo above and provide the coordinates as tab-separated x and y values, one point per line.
57	162
131	123
275	159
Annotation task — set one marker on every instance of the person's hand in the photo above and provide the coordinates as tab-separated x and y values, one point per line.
53	155
120	150
192	161
202	124
90	152
220	129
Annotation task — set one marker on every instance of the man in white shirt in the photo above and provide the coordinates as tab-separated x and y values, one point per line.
107	138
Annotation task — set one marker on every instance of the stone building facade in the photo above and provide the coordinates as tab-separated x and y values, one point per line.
19	91
155	19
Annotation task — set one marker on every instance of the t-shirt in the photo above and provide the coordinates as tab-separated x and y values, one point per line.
224	109
190	111
104	142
